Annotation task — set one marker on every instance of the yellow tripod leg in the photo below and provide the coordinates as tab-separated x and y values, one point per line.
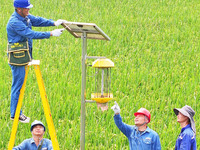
17	112
46	108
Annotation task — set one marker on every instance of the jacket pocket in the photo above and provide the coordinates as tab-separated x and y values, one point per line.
147	140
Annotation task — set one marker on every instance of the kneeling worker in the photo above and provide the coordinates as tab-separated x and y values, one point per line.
37	142
140	136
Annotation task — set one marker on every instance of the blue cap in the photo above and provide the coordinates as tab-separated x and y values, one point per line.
36	122
22	4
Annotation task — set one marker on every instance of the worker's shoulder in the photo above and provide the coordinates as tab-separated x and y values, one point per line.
47	140
152	131
188	131
14	21
27	141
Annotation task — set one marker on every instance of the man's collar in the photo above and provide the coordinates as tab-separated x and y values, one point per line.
19	16
188	126
32	141
147	129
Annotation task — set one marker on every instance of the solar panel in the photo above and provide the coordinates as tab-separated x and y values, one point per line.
91	29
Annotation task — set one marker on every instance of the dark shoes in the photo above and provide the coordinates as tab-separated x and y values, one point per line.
22	118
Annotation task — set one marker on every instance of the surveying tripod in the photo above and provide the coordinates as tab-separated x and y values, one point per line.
52	132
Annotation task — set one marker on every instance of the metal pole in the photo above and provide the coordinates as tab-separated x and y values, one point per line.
102	82
83	86
94	57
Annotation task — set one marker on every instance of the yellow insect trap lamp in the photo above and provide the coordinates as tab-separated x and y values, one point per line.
102	92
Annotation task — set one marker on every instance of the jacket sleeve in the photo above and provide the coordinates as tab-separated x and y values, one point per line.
157	145
40	22
125	129
21	29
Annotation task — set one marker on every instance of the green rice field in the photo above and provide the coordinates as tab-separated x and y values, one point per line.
155	45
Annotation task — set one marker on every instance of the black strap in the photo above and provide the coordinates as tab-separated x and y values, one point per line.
40	146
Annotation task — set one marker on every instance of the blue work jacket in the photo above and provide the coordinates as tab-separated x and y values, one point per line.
148	140
186	139
29	144
19	29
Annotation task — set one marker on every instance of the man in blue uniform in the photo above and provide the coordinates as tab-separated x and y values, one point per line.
37	141
187	138
19	29
140	136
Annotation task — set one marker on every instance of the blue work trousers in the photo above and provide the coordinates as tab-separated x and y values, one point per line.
18	75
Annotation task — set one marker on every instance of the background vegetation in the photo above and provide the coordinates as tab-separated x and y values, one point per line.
155	47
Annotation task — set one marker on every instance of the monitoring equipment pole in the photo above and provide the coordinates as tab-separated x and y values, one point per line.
84	31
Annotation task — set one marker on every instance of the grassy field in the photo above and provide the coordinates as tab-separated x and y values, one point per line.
155	47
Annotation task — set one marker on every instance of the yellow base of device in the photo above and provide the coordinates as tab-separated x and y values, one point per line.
101	98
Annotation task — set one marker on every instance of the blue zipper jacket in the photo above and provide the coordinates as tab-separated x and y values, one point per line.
148	140
19	29
29	144
186	139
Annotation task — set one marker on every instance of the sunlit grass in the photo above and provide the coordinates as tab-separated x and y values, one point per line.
155	47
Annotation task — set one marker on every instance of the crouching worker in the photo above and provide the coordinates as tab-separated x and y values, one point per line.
37	142
140	136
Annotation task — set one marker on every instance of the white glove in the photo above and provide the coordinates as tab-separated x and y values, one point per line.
57	32
59	22
116	108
